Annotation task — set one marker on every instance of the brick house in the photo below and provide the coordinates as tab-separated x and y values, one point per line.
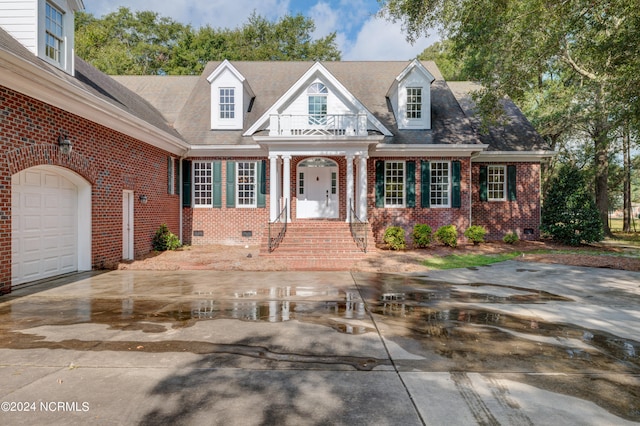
92	165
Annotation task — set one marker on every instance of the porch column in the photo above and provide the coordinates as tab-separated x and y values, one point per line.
362	187
274	204
350	194
286	184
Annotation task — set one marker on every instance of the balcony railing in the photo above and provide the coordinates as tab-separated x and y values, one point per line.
318	125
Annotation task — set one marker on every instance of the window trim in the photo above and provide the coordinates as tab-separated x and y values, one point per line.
227	110
58	49
432	169
196	166
404	183
254	183
414	114
317	92
504	182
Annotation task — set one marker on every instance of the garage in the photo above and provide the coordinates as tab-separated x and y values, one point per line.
46	224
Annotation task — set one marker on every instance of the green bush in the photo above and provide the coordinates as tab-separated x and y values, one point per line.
510	238
476	234
569	213
447	235
394	237
165	239
421	235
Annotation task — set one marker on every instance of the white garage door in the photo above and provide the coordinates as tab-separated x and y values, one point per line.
44	225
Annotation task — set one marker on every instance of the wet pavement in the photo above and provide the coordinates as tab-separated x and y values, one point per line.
549	344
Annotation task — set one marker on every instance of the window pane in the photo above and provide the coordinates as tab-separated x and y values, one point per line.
202	184
414	102
54	33
227	102
394	183
246	184
496	178
440	183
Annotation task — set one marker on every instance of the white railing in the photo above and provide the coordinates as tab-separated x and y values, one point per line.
318	125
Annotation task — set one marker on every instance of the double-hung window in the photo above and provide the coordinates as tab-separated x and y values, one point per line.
246	183
440	184
496	183
414	103
54	34
202	184
394	183
227	103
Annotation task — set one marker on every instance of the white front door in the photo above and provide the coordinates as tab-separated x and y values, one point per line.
127	225
317	194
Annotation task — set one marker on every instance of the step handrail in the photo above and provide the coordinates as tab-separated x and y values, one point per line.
278	229
358	228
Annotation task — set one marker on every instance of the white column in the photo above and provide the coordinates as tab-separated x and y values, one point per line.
350	193
274	204
362	188
286	184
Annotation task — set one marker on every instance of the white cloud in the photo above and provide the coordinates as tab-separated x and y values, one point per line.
216	13
325	18
380	40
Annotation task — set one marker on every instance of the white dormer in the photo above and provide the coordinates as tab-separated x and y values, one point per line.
230	97
410	96
45	27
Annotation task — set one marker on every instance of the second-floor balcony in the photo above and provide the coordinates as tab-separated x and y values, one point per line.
318	125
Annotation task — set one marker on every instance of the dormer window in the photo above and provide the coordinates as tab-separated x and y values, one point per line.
317	93
54	34
414	103
227	103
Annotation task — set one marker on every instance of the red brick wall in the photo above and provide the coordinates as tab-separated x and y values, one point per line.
225	225
382	218
109	160
502	217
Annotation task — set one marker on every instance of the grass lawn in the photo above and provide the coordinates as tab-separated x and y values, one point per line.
467	260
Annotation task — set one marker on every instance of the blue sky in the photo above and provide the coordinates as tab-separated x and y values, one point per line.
360	35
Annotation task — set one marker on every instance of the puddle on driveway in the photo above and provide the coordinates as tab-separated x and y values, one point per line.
437	321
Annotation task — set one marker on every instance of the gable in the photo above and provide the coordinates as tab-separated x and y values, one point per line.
339	102
231	97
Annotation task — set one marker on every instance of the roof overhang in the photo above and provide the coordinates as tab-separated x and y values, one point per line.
75	5
24	77
513	156
431	150
226	151
338	145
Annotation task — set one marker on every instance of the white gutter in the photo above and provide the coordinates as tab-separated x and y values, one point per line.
46	86
513	156
432	150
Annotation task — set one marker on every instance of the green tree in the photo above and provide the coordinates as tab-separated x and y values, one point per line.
450	63
144	43
569	214
518	47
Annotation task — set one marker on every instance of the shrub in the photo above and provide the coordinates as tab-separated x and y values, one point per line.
394	237
510	238
476	234
569	213
421	235
447	235
165	239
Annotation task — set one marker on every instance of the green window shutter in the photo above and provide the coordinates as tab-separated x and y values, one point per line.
186	183
511	183
231	184
262	183
411	184
425	180
456	197
217	184
379	183
483	183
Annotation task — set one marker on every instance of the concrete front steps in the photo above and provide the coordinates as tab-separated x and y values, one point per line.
318	245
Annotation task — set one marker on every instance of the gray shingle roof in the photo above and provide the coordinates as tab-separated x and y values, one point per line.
93	82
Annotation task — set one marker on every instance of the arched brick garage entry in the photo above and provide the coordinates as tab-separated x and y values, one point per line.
50	224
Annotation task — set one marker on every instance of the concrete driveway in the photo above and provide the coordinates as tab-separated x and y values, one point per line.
512	343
